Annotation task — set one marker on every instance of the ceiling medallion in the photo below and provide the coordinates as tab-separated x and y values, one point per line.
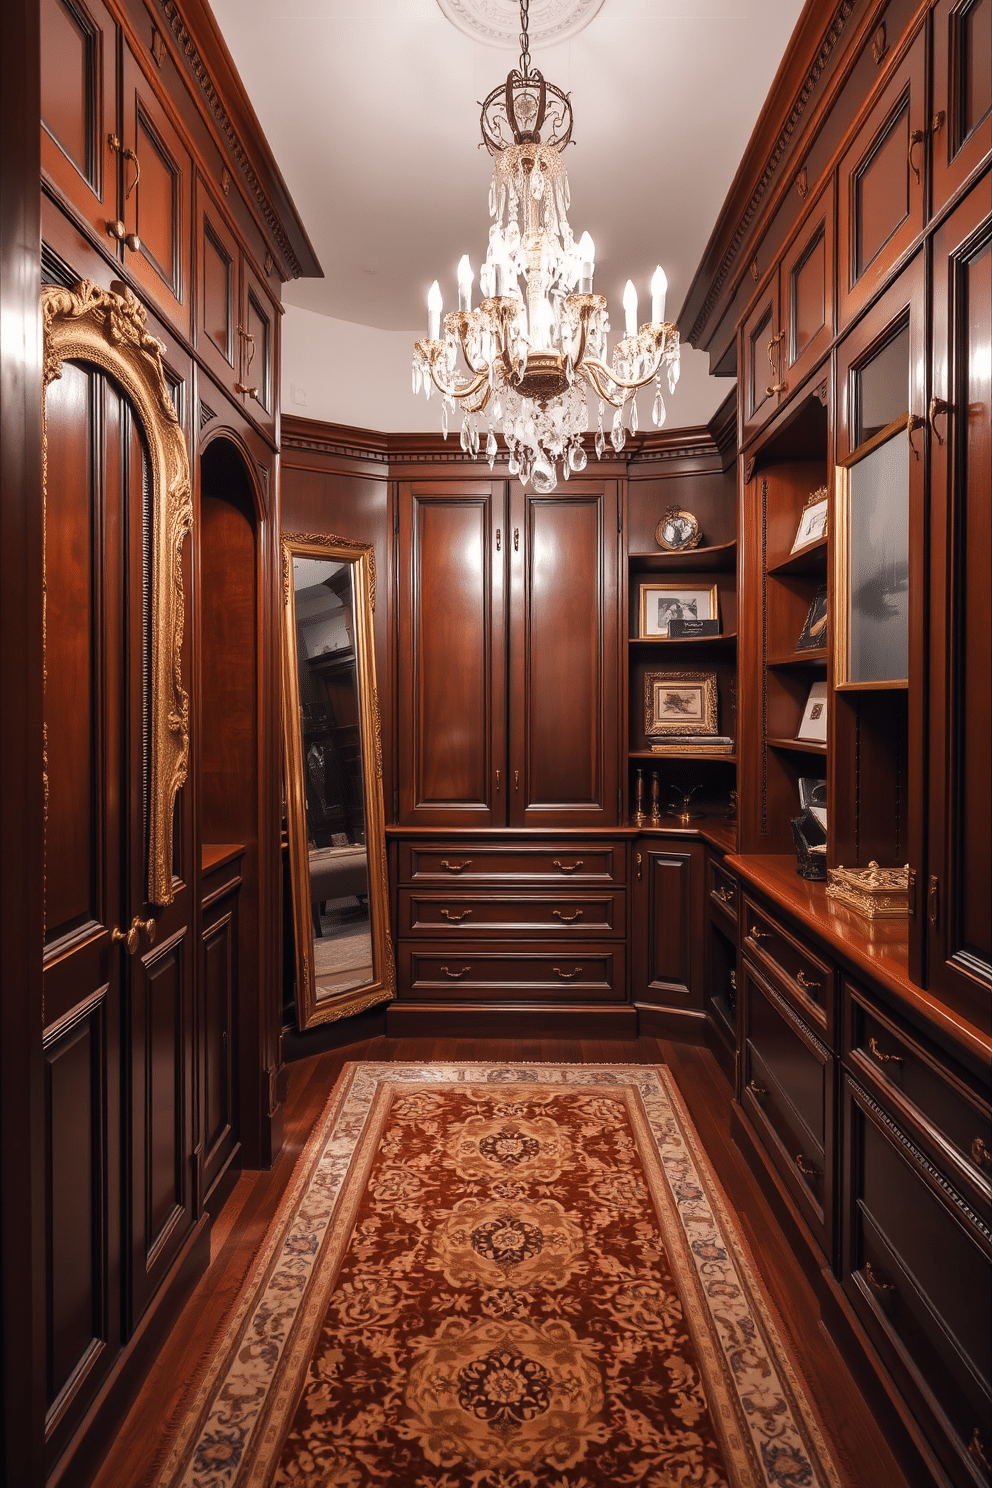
530	356
497	22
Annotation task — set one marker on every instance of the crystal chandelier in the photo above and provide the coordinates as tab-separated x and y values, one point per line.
531	357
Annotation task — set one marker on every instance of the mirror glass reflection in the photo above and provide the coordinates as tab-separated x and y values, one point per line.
334	793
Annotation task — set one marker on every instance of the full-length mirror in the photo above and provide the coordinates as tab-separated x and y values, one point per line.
337	848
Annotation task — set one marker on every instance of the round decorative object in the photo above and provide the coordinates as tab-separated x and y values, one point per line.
497	22
677	531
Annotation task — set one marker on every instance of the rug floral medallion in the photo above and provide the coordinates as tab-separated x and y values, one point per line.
502	1276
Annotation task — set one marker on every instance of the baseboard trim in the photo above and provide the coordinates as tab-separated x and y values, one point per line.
367	1025
685	1025
510	1021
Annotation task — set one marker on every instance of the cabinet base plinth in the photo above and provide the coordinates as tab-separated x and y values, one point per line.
511	1021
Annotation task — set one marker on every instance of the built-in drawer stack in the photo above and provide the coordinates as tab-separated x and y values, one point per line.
500	921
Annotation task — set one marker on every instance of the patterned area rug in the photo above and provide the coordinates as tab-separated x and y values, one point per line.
501	1276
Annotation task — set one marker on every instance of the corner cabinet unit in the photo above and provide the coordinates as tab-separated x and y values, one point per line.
509	638
518	923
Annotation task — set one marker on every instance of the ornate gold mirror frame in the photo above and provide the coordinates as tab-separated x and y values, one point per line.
317	1003
107	328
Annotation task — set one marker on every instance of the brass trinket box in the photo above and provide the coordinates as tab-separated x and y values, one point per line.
874	893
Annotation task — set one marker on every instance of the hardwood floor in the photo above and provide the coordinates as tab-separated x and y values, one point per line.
862	1456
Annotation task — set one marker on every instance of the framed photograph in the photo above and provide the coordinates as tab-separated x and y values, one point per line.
677	531
679	703
814	632
813	522
813	727
663	602
813	797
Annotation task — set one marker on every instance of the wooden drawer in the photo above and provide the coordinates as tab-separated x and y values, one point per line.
800	973
491	971
723	893
919	1274
787	1093
954	1122
426	913
582	862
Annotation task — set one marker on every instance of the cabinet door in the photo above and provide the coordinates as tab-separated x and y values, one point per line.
962	93
807	289
564	657
257	335
452	648
667	924
219	981
881	185
761	359
156	198
79	106
959	890
218	314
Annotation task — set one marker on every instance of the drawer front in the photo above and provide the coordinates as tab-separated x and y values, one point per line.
956	1123
493	972
723	891
424	913
582	863
803	976
920	1276
786	1093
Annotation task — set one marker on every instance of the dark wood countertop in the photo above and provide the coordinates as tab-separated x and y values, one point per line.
214	855
879	949
715	830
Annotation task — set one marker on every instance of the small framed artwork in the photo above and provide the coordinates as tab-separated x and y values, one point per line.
813	727
814	632
661	603
813	522
679	703
677	531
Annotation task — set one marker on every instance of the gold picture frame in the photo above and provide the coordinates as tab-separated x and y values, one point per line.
813	521
661	602
678	703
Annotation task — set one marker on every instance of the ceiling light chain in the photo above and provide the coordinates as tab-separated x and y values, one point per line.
532	356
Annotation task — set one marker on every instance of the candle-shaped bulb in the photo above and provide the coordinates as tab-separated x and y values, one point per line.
434	304
630	309
659	291
465	278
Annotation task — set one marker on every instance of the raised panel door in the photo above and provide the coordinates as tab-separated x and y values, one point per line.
79	106
156	200
761	359
667	905
959	887
881	185
807	289
218	312
452	648
257	373
564	663
962	93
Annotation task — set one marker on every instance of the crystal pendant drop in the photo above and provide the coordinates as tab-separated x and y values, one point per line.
491	449
618	437
633	416
513	465
659	412
577	457
465	434
600	441
543	477
566	469
497	410
444	419
673	374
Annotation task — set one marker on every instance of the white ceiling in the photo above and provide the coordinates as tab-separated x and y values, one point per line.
371	110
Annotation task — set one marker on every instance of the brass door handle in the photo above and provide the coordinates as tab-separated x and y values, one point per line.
723	894
566	976
516	539
131	938
807	1169
640	865
247	344
913	422
455	867
497	782
499	539
768	349
129	154
881	1055
981	1156
566	867
937	407
976	1451
807	983
455	919
756	1090
454	975
875	1282
916	138
776	387
567	919
755	934
516	780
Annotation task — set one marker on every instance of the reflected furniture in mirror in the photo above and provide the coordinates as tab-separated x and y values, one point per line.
344	957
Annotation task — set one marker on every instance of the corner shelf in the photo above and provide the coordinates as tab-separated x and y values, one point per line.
727	635
800	658
720	558
812	560
799	746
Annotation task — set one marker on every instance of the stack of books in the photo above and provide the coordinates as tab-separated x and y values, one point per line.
692	744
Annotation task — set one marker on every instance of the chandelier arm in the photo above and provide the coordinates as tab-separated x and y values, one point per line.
468	390
630	384
590	370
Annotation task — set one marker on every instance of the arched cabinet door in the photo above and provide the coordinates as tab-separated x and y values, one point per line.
118	952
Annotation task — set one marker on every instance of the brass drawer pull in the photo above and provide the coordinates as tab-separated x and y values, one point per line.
881	1055
568	868
976	1451
455	867
131	938
567	919
724	894
756	1090
455	918
454	975
875	1282
566	976
807	1169
756	934
807	983
980	1154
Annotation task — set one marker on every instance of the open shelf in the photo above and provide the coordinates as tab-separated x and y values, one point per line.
800	658
800	746
812	560
660	754
729	635
719	558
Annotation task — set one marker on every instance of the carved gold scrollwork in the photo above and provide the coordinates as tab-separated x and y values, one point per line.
107	328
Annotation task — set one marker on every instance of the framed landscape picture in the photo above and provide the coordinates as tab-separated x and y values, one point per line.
661	603
680	703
